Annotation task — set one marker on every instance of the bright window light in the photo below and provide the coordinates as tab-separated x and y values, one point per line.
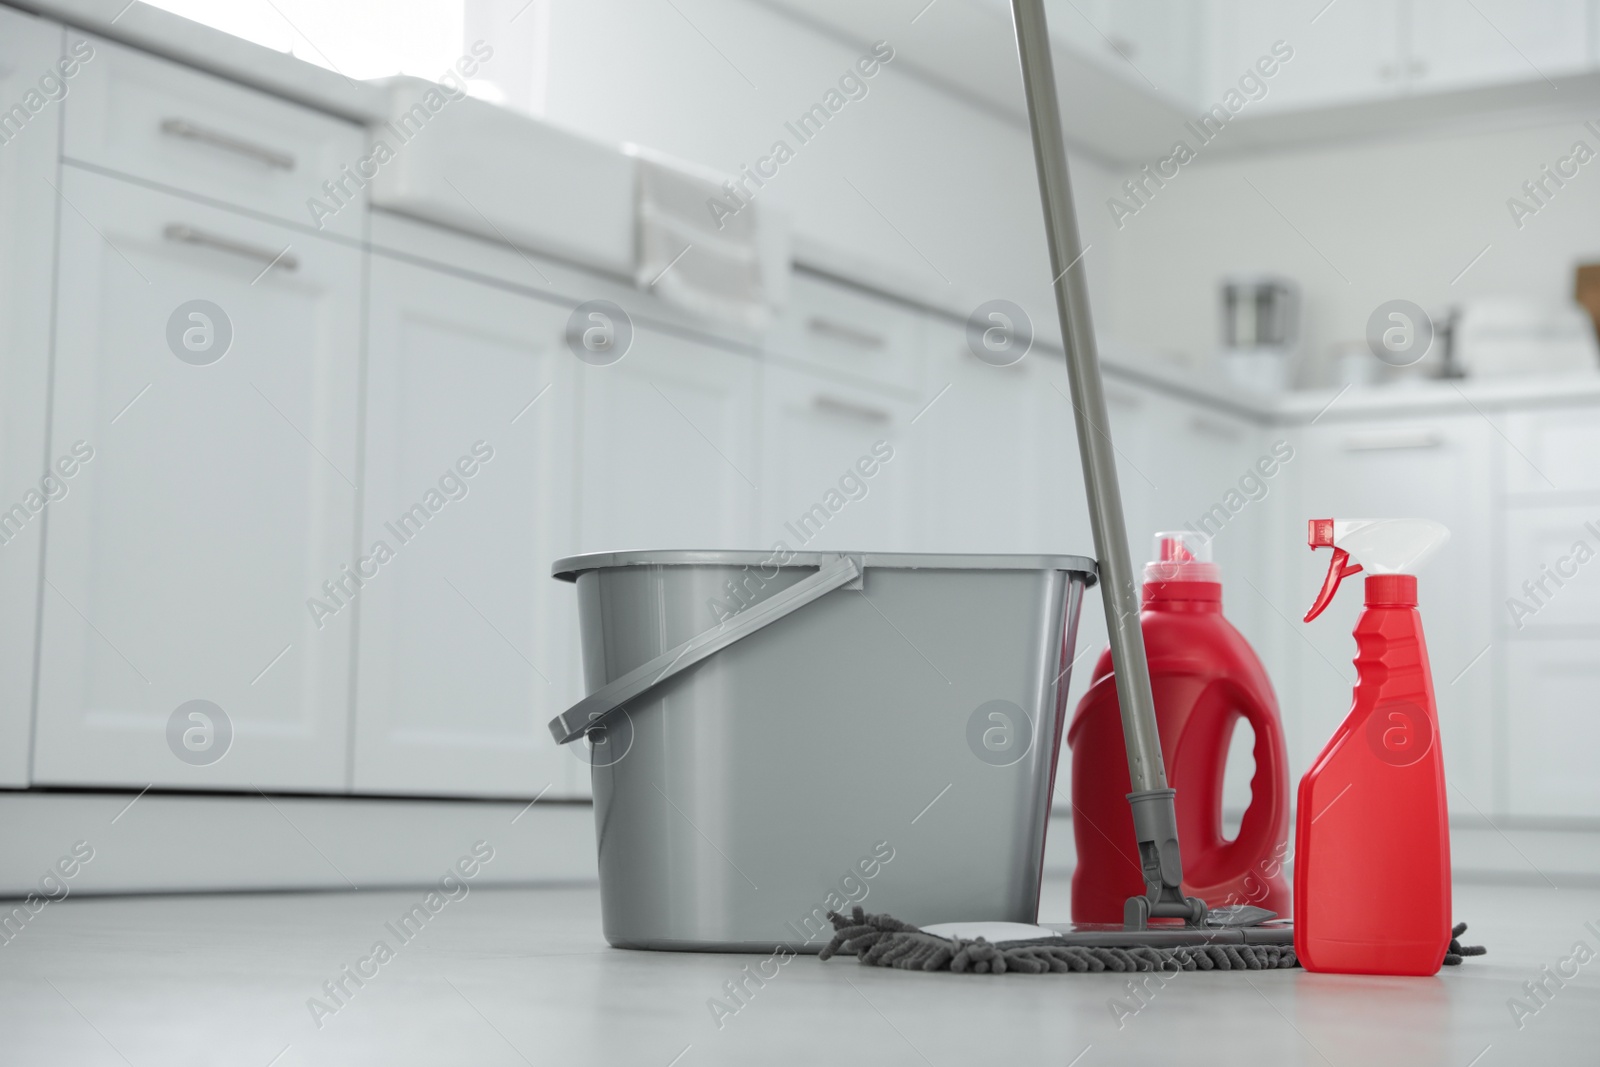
360	39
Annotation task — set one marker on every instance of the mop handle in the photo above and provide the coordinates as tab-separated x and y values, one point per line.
1155	821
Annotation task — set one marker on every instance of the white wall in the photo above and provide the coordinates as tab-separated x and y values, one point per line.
1397	219
956	182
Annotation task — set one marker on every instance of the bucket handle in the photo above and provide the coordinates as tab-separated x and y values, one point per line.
594	709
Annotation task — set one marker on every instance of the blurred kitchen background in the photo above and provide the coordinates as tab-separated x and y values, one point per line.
1356	242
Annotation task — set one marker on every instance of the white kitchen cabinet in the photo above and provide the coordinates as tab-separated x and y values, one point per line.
1129	409
1149	43
1462	43
1137	428
1550	577
162	122
1432	468
1359	50
1178	463
839	466
220	496
1351	52
996	452
467	645
669	455
29	146
1205	465
1551	731
843	330
1550	450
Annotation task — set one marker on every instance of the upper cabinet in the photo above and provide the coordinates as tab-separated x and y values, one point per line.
1350	53
1458	44
1151	65
1365	50
1152	43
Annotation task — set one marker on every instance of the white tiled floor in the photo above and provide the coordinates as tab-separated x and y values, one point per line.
514	976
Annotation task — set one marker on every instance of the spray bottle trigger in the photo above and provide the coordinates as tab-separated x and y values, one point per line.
1338	570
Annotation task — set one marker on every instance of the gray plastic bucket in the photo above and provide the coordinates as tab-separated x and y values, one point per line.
770	741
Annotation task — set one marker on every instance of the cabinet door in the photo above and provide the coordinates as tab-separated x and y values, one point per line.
1434	469
1460	43
669	447
28	209
994	452
1130	410
839	329
1550	580
1552	732
1550	451
465	651
1351	53
838	466
1209	466
218	395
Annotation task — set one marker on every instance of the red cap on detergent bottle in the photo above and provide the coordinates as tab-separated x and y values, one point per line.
1182	571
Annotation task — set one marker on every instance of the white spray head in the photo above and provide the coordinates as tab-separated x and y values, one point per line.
1387	546
1378	546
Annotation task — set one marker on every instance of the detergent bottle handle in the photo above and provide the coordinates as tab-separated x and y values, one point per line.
1269	795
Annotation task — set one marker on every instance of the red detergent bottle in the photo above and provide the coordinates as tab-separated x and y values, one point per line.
1372	834
1204	677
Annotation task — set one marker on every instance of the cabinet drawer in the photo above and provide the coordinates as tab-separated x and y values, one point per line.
846	330
1552	731
1553	450
819	439
146	117
1552	573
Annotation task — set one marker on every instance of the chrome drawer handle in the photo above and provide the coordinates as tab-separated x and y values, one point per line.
187	130
1389	440
177	231
843	332
832	405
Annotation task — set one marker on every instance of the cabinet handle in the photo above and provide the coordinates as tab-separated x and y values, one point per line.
187	130
1389	440
1127	400
844	332
177	231
832	405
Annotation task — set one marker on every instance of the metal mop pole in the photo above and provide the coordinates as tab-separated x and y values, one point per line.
1154	818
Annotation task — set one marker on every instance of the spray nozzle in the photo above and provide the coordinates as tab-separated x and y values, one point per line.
1379	546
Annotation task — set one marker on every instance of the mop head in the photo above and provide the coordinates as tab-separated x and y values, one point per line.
884	941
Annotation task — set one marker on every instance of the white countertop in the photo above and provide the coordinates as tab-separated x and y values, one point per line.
1419	398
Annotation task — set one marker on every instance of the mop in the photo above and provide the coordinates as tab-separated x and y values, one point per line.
884	941
1193	937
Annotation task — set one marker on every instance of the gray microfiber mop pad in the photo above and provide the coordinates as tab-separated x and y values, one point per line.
884	941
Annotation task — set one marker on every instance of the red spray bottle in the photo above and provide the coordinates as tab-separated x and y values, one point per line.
1372	836
1205	677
